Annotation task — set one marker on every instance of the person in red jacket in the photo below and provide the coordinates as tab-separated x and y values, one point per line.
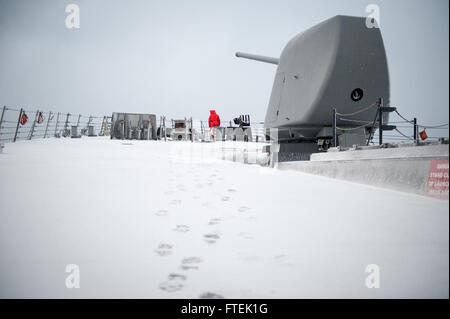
213	121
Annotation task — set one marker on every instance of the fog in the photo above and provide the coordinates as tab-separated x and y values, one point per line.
176	58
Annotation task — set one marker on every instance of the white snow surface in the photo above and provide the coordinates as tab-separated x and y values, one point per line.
147	219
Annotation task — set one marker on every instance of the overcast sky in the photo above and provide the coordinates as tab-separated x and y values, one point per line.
176	58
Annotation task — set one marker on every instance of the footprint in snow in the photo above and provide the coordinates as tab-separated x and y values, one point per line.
283	260
174	283
181	228
170	285
210	295
176	202
211	238
178	277
214	221
161	212
164	249
243	209
189	263
225	198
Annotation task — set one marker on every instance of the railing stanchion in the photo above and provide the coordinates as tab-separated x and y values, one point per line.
48	121
56	126
89	121
66	124
165	133
192	131
102	130
1	117
415	129
30	134
18	123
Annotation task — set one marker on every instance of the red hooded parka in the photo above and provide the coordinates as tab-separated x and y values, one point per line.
214	119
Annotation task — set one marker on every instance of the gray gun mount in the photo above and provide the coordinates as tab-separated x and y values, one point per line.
339	63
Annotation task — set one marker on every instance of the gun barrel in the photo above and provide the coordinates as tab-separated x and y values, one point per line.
260	58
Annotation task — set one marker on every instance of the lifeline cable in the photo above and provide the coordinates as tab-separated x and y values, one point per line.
359	111
399	132
423	126
357	121
353	128
433	126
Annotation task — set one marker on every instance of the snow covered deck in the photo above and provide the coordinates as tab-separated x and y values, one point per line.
149	219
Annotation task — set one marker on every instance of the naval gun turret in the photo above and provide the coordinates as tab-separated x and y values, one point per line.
338	64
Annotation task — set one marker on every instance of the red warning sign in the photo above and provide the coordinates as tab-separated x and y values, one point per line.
40	118
23	119
438	179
